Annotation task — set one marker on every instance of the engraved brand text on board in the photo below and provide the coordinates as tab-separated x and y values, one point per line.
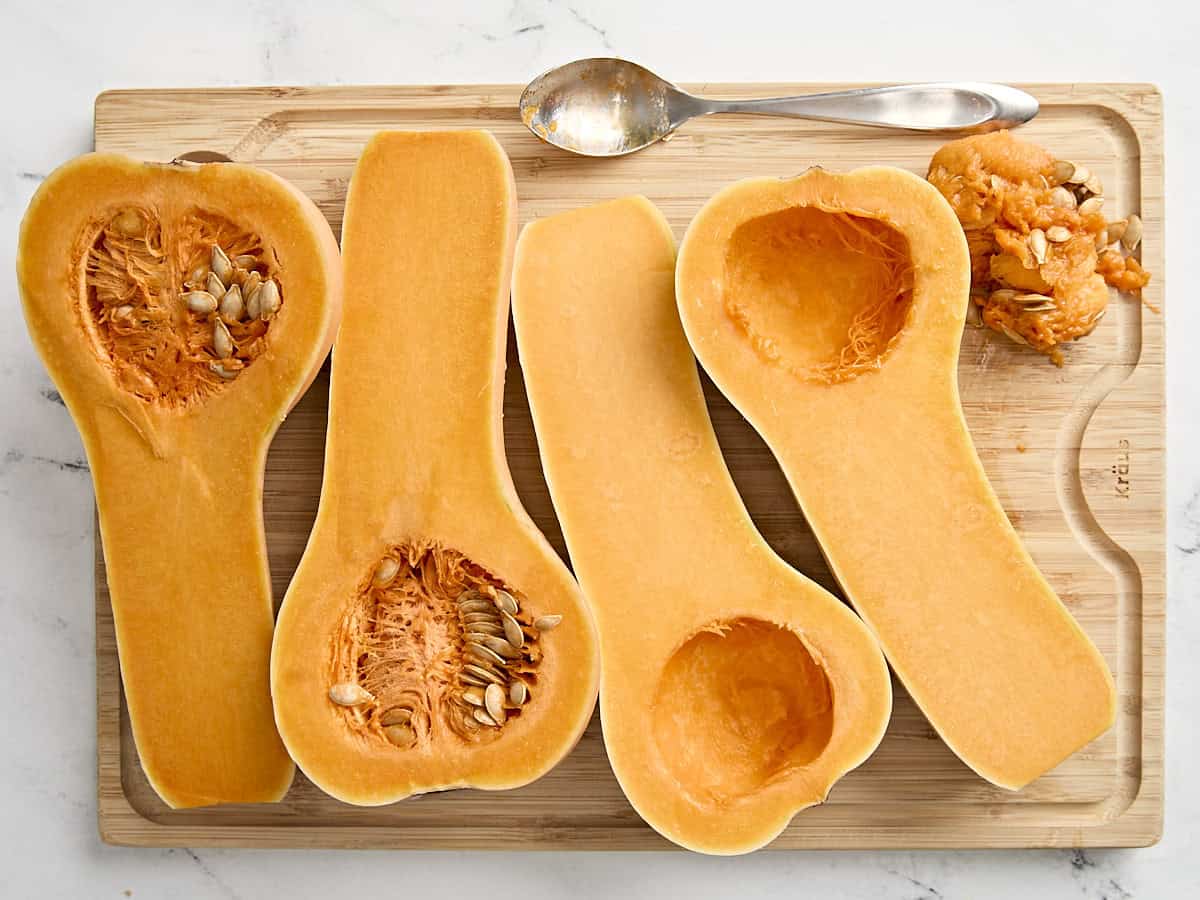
1121	468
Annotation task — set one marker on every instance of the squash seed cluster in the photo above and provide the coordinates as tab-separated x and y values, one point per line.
229	292
435	644
178	309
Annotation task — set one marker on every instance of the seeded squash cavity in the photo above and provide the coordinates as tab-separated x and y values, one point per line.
877	451
431	638
134	279
736	691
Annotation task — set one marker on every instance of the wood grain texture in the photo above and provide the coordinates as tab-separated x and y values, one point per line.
1076	455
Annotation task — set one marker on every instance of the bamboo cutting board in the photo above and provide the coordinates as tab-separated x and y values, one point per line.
1076	455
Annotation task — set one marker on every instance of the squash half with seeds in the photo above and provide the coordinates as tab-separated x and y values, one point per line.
431	638
181	311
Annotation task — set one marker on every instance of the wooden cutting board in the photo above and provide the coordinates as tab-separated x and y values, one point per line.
1076	454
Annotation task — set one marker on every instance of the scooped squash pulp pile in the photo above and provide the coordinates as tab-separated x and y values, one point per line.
1043	251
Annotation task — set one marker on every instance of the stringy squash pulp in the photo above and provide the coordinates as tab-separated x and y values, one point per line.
166	305
434	648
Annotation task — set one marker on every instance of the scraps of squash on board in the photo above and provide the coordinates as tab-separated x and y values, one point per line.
1042	252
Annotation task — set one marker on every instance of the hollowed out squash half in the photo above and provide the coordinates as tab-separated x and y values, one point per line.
735	691
829	309
182	311
431	638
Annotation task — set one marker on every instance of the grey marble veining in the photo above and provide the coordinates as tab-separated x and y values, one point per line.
59	55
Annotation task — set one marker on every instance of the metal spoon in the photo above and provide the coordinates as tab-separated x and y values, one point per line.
610	107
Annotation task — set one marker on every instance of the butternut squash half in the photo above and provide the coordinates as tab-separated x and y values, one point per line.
135	280
431	638
829	309
735	691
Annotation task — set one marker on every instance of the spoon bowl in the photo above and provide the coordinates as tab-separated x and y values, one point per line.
599	107
610	107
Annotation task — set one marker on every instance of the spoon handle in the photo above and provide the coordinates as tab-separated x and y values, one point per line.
943	106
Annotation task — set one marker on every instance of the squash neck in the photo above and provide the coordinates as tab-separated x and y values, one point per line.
433	426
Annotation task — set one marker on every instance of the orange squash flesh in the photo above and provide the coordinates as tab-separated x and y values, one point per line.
735	691
415	478
178	464
880	457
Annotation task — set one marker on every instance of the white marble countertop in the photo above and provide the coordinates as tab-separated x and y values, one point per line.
59	55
